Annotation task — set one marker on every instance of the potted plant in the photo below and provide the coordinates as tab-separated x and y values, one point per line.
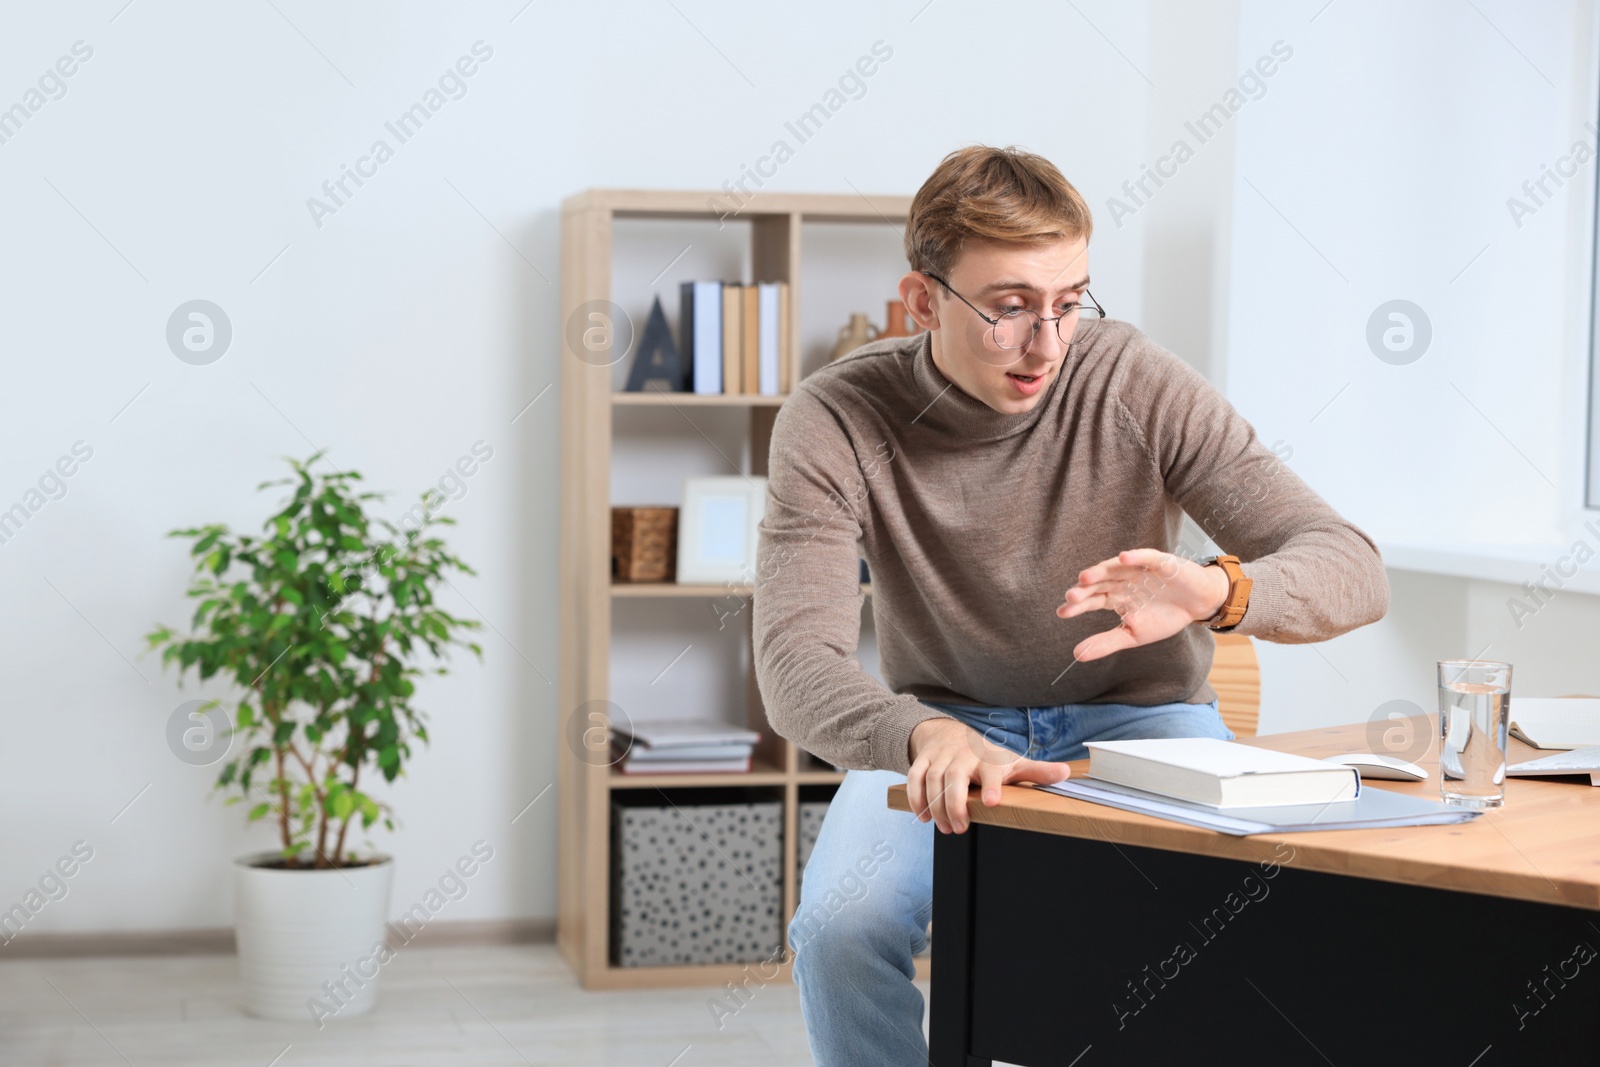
319	625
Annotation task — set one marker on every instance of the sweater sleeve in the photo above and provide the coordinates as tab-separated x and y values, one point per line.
808	597
1314	575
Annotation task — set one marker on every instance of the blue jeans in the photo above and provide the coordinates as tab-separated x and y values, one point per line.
867	893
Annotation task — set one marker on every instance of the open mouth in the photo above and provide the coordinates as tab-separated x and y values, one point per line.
1026	384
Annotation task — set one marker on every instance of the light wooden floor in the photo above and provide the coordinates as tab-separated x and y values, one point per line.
486	1007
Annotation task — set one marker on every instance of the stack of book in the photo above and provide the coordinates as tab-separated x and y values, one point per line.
1241	789
685	746
735	338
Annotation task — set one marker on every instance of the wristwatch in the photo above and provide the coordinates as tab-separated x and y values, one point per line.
1238	600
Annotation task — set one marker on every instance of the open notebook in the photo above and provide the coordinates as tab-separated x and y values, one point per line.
1556	722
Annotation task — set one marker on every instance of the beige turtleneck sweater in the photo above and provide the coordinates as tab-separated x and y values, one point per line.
975	523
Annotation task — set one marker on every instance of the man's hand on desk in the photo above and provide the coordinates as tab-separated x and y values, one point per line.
948	756
1157	594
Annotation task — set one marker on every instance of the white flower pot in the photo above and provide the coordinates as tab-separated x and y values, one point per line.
310	942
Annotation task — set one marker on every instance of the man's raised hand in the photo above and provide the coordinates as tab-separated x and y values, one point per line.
1156	594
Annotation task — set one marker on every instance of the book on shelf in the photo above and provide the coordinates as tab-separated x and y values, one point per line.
733	338
729	765
643	754
700	323
1220	774
749	338
684	746
771	336
1556	722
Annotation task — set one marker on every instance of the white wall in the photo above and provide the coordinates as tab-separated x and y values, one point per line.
1380	169
1195	56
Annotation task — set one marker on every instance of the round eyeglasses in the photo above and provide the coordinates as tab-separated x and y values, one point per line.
1011	330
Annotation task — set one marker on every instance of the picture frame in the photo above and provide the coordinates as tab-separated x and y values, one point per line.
718	527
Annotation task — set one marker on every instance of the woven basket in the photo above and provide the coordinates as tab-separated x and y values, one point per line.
644	544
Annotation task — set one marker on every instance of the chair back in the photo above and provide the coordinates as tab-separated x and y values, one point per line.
1236	676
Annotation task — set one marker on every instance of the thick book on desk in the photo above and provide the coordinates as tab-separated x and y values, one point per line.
1374	809
1556	722
1205	770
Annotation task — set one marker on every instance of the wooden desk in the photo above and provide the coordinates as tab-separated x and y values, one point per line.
1067	928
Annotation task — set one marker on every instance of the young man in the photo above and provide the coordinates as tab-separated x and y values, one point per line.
1015	477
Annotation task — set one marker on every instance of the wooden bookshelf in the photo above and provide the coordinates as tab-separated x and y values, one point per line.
587	593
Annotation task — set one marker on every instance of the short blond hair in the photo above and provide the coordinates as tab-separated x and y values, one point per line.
997	194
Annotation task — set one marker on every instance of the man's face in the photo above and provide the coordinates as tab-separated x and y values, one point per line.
995	277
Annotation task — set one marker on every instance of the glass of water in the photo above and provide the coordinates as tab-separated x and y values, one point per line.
1474	711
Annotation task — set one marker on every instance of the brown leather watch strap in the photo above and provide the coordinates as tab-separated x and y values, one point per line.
1237	603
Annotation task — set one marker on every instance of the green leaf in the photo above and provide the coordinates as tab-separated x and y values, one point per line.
203	610
341	805
259	812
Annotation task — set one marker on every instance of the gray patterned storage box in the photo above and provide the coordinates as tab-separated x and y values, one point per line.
811	813
699	880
